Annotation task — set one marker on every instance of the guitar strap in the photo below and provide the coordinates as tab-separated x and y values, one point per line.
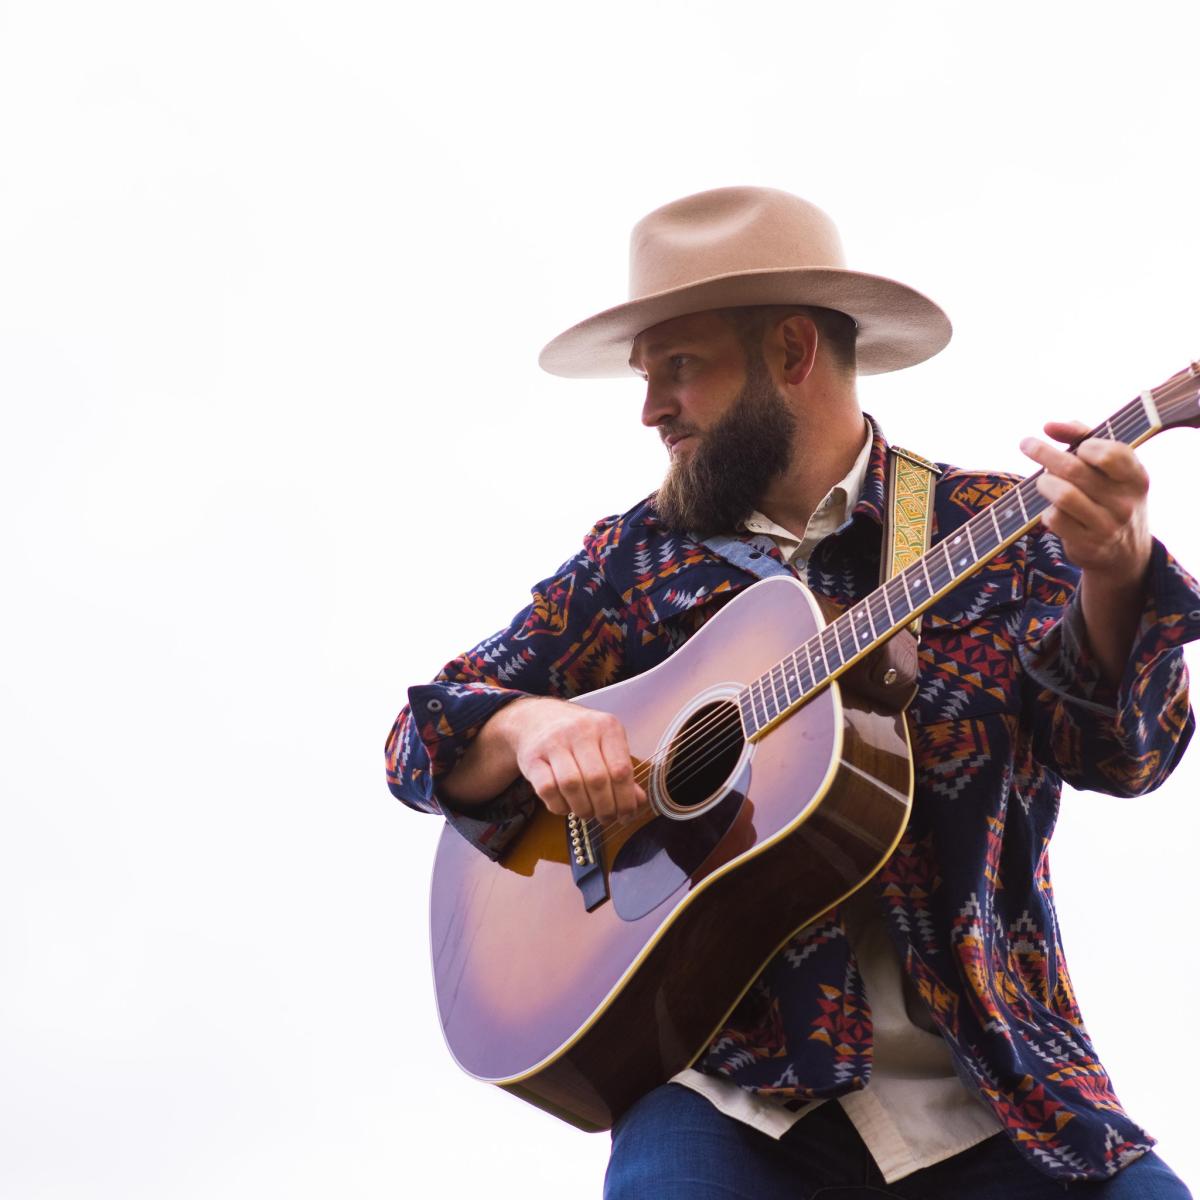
911	480
889	674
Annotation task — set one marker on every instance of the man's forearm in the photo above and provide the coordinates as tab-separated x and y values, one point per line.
1111	611
490	763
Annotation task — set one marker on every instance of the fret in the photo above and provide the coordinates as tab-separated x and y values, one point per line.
746	708
777	687
1021	501
812	670
840	625
790	670
962	562
821	647
991	509
768	691
951	569
924	561
1109	426
887	604
866	627
877	610
760	703
829	645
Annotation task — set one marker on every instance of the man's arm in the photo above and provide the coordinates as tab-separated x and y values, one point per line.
458	726
577	760
1109	685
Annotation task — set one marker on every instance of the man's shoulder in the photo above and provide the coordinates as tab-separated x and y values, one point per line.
636	552
609	534
634	533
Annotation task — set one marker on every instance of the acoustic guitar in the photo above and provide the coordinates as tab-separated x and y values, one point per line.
590	964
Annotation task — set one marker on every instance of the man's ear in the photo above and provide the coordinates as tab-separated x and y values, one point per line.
796	340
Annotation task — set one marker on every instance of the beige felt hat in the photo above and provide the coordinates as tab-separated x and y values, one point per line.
741	246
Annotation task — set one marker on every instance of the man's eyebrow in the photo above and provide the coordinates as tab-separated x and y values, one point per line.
674	343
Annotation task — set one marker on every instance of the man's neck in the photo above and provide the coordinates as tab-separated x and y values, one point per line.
824	451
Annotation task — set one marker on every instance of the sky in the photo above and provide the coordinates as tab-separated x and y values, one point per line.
273	279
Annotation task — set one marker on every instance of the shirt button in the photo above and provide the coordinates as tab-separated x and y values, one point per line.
434	705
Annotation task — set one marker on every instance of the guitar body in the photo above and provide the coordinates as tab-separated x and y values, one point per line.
581	1000
582	1012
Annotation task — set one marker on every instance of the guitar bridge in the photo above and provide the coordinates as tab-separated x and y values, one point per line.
586	869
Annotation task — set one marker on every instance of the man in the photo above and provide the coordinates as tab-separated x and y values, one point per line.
892	1044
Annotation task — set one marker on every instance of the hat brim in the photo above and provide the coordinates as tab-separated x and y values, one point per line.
897	326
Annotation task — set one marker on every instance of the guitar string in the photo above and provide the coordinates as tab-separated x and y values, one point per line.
1127	421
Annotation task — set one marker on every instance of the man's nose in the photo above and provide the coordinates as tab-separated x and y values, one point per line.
660	405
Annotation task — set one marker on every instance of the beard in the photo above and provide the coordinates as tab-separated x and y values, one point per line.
724	477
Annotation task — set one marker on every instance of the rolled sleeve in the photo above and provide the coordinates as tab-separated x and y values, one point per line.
546	650
1126	739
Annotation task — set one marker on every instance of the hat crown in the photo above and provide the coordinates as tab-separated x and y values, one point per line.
728	231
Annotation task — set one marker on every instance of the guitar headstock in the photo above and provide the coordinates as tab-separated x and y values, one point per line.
1178	400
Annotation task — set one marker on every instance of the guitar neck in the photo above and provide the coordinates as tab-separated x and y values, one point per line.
856	632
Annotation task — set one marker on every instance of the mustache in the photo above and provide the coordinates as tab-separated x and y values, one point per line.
668	429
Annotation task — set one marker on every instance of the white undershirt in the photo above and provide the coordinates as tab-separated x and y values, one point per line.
915	1112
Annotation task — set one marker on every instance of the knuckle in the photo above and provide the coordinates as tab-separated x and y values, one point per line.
595	781
572	788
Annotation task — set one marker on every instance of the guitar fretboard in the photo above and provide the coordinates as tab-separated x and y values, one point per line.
857	631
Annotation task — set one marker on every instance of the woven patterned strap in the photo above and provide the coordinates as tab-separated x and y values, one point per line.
910	483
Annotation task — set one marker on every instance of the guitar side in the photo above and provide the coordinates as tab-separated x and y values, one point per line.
582	1012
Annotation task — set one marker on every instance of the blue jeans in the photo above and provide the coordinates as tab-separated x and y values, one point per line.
674	1145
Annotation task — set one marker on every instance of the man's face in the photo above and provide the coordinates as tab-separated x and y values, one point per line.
727	428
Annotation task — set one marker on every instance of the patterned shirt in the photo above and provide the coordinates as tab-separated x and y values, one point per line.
1010	704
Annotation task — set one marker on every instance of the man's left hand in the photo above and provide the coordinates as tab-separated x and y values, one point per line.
1097	503
1098	510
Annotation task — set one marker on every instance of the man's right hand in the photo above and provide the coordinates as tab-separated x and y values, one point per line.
577	760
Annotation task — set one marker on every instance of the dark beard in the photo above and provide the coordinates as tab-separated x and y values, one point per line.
726	474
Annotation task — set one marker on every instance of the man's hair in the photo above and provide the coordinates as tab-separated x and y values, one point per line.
835	329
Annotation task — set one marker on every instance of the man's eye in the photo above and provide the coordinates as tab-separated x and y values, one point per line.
677	361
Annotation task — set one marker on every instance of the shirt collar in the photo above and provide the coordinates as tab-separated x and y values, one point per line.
842	498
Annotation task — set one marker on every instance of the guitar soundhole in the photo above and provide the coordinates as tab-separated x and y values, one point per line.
703	754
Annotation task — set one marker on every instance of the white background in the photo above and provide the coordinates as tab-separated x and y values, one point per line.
273	277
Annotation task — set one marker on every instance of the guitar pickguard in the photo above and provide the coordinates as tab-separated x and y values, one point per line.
665	856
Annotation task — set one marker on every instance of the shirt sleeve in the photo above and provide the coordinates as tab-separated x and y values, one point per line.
568	640
1123	740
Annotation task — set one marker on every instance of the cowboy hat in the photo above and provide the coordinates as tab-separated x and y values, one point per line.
740	246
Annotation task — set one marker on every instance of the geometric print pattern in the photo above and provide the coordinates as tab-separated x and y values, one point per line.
1009	704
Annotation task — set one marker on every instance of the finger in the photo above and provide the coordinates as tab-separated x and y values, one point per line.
1094	518
1111	492
1063	525
541	779
1066	431
1057	461
615	747
1116	460
569	780
596	780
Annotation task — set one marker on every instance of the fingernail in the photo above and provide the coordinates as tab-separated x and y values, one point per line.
1028	445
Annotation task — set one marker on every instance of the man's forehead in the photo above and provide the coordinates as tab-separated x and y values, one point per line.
693	327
